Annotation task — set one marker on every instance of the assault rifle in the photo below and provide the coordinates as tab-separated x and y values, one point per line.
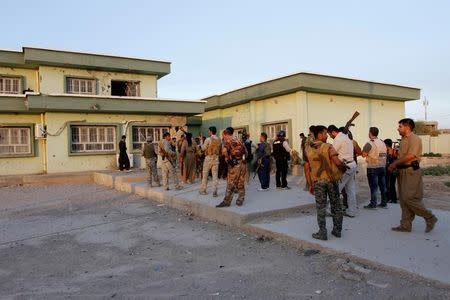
349	122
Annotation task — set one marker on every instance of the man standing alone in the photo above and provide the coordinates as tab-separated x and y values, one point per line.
375	153
410	183
124	161
211	147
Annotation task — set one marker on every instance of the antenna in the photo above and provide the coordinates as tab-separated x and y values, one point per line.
425	105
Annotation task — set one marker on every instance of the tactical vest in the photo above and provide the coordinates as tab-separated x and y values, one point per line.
278	150
149	151
214	147
236	149
322	168
376	157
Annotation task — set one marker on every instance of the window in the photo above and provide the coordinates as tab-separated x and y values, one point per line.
273	129
15	140
140	133
81	86
92	138
125	88
238	132
10	85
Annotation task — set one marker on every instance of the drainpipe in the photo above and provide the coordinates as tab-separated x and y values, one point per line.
44	146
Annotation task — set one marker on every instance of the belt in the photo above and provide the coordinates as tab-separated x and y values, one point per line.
401	167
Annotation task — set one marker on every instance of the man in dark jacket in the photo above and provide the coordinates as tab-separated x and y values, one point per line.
281	153
124	161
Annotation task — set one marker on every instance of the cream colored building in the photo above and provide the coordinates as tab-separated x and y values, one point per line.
65	111
295	102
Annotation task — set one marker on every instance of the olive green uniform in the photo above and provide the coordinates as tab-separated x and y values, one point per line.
410	184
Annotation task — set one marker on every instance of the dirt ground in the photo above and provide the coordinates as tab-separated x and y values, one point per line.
89	242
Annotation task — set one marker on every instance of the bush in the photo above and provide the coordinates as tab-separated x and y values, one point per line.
437	170
431	154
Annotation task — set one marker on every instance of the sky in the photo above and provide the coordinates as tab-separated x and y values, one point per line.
217	46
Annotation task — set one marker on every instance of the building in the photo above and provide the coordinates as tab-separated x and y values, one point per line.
64	111
295	102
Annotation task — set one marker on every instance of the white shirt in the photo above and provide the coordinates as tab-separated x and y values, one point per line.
344	147
286	147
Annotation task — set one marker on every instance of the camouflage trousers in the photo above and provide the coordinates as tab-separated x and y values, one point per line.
211	163
323	189
152	171
168	171
236	180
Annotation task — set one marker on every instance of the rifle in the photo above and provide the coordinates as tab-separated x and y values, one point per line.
349	122
258	166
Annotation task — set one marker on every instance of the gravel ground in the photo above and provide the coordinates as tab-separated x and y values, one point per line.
87	241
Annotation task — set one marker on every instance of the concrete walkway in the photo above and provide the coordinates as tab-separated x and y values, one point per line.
283	215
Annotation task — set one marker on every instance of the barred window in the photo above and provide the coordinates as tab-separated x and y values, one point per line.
92	138
140	134
81	86
15	140
273	129
10	85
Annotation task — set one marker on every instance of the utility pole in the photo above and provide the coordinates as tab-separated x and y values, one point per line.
425	105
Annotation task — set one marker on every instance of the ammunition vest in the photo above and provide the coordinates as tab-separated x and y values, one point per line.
149	151
214	147
236	148
278	150
322	168
376	157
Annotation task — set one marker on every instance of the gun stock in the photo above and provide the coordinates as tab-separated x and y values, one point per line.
349	123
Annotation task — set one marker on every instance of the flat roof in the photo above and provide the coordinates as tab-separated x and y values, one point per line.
313	82
32	58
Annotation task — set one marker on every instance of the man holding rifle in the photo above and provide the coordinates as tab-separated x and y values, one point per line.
263	162
169	157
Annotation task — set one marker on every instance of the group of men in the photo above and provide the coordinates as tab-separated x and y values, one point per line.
330	170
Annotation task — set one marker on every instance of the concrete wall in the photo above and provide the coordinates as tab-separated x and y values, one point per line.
52	80
22	165
302	109
30	76
436	144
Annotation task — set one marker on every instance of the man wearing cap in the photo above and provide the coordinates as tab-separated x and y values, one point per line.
281	153
151	158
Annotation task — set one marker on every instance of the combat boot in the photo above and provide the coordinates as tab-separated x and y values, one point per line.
222	204
430	224
320	235
336	233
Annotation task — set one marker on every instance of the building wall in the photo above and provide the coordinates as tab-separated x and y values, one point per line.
52	80
302	109
59	158
436	144
22	165
29	75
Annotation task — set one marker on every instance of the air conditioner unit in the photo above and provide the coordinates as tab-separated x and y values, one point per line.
130	157
40	131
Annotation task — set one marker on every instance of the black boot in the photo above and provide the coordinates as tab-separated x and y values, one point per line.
222	204
336	233
320	235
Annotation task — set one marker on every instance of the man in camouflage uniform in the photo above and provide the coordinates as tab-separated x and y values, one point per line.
151	158
168	166
212	148
234	152
323	173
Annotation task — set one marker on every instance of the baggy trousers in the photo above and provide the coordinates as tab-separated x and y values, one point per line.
211	163
322	189
168	171
236	179
152	171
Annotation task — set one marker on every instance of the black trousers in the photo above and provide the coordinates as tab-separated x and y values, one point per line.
281	173
124	161
391	179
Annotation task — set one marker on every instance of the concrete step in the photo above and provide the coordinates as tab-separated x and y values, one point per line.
55	178
256	205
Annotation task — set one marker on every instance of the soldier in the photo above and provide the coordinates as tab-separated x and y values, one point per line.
212	147
168	156
375	153
251	148
263	162
124	161
323	173
234	153
410	184
151	158
281	153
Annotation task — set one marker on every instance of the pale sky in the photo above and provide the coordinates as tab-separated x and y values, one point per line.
216	46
